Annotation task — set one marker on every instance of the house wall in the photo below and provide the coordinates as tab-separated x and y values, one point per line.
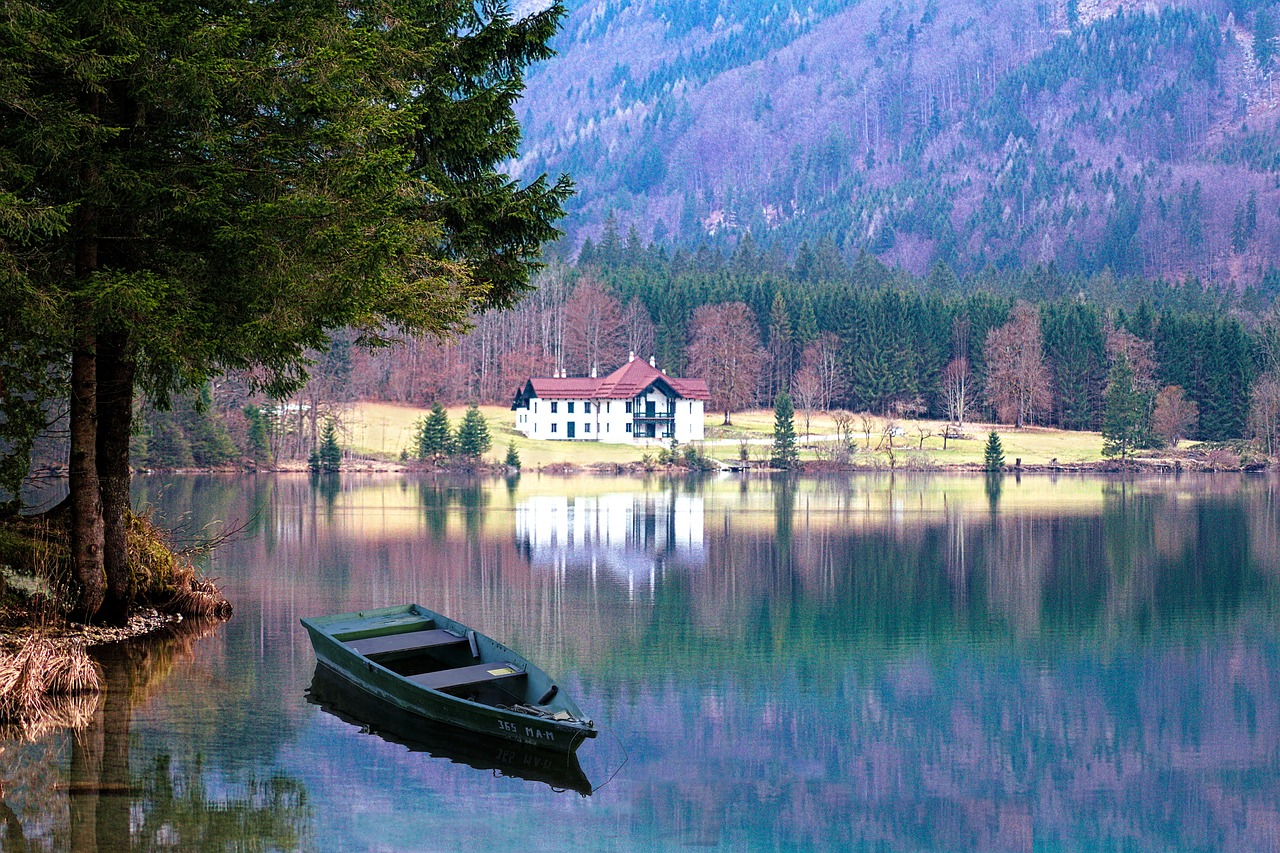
606	420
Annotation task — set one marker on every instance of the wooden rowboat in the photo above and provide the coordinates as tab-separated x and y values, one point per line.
431	666
337	696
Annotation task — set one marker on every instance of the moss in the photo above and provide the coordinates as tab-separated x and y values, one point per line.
38	548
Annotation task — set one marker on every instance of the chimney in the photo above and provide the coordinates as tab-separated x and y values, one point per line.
631	357
651	364
593	372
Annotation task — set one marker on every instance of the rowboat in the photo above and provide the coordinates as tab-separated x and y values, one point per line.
431	666
337	696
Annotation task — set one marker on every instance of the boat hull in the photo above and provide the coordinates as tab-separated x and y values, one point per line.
331	637
351	703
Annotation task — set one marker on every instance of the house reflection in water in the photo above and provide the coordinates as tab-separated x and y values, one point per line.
634	536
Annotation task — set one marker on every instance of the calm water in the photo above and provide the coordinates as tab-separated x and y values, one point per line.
883	663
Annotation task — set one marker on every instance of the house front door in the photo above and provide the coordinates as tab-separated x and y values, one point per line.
570	426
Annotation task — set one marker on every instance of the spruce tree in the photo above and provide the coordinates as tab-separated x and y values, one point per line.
1124	422
785	456
513	456
171	175
329	455
993	453
259	434
434	436
473	434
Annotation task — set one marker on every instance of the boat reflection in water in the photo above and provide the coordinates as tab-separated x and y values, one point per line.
339	697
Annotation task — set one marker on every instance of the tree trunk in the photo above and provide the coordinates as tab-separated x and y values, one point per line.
116	371
121	672
86	496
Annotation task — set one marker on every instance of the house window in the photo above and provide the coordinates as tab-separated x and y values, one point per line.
586	427
571	408
628	407
606	424
586	408
628	427
553	426
606	408
535	407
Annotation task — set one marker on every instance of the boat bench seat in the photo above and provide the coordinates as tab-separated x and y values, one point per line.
406	642
466	675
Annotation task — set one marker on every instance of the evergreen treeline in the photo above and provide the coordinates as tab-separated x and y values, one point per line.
897	332
890	337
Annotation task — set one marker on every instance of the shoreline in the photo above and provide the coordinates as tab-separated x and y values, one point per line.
1185	461
14	633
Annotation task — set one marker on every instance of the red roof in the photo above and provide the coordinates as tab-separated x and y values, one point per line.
630	380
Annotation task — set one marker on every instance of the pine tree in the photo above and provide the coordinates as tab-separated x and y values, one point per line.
785	455
329	456
513	456
473	434
993	453
259	437
172	174
434	436
1124	425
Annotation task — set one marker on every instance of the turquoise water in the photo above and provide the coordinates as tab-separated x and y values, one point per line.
879	663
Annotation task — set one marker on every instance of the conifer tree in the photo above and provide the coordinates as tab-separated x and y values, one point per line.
259	435
785	454
434	436
473	434
1124	411
993	454
329	455
513	456
187	188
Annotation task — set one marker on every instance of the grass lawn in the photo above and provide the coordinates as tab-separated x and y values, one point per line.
385	429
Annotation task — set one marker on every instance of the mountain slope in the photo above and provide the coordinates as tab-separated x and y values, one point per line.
1086	134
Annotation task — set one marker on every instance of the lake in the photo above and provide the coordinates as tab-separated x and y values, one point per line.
878	662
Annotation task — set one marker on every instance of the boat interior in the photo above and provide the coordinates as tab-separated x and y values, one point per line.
442	660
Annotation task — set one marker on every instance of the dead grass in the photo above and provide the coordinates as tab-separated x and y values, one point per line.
166	579
43	685
385	430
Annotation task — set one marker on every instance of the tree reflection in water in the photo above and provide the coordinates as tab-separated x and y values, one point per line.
107	805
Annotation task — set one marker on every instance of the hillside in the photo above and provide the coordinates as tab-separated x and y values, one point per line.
1140	137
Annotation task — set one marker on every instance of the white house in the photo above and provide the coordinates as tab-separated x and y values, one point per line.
635	403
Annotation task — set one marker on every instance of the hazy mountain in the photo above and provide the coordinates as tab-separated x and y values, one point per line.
1139	136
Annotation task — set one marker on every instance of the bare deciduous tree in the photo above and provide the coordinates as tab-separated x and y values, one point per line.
823	357
1264	412
806	390
1140	353
844	428
1174	416
726	352
639	331
1017	379
595	335
957	390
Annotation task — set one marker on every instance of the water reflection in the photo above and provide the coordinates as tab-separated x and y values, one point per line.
632	535
884	661
339	697
110	800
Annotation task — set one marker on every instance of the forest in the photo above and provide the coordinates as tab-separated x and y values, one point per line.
1092	135
1034	346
